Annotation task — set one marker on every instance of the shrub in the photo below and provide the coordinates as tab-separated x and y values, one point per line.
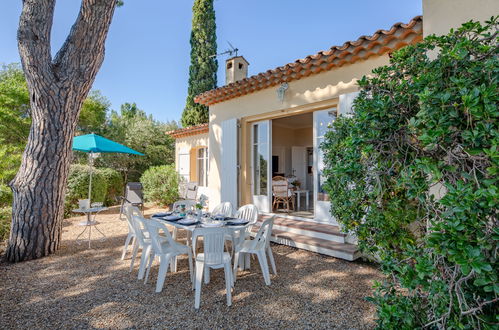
161	184
423	124
78	181
5	220
5	195
114	182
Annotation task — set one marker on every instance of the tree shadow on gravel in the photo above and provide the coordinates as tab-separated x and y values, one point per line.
81	288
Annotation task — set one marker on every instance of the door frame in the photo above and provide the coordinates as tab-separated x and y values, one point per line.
263	203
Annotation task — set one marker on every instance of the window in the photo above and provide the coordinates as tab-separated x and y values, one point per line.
202	166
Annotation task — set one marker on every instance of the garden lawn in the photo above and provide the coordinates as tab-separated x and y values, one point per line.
80	288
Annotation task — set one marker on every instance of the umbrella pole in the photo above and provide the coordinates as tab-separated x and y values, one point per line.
90	161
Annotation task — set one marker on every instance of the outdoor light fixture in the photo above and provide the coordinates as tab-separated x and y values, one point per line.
281	91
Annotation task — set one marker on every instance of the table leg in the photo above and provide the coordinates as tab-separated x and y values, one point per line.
173	266
298	197
307	200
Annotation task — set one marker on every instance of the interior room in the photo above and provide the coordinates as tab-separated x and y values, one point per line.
292	158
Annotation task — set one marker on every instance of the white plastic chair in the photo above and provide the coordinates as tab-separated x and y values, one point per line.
163	247
224	208
141	240
213	256
248	212
131	237
260	245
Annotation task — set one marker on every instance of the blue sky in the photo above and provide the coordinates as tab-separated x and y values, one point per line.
147	49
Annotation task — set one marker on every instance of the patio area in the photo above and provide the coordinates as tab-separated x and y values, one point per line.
77	288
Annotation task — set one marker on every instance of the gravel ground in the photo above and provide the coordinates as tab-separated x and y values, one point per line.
80	288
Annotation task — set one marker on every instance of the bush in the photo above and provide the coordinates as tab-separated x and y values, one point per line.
5	220
161	184
420	125
5	195
78	181
114	184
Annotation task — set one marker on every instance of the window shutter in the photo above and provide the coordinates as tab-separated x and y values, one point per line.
193	173
228	172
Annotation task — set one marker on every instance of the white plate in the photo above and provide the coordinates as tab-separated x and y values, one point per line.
212	224
186	222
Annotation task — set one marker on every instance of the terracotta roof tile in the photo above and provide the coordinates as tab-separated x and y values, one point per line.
188	131
381	42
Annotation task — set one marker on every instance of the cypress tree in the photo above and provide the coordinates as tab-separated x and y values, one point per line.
204	65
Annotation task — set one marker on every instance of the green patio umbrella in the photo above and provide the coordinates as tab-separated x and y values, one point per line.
95	144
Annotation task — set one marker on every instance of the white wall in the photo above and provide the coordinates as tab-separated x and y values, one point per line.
439	16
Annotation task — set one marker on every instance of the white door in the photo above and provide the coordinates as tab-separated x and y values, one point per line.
322	206
261	165
299	165
229	162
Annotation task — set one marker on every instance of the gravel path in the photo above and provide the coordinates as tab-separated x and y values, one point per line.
80	288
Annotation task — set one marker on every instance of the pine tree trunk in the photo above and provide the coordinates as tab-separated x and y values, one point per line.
57	90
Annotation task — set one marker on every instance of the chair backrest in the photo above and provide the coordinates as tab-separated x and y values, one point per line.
213	244
141	231
224	208
191	191
188	203
248	212
155	227
280	186
134	192
262	238
131	211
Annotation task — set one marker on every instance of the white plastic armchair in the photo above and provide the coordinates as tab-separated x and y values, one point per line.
248	212
213	256
163	247
131	237
260	246
224	208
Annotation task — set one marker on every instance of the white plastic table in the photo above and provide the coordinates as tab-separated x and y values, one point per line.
190	228
89	223
298	198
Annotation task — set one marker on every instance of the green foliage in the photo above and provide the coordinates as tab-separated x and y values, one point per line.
414	175
106	185
115	184
161	184
133	128
93	113
204	66
5	220
78	183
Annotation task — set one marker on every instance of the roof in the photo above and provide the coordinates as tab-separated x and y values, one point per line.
381	42
188	131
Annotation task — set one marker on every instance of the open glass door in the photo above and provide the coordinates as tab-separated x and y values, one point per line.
322	206
260	165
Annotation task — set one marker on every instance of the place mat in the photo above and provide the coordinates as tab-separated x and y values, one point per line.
160	215
228	223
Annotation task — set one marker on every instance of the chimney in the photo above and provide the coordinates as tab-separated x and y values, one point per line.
236	68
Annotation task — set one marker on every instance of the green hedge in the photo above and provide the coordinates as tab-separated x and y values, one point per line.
161	184
5	217
5	195
106	184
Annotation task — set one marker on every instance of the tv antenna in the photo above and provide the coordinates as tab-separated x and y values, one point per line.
232	51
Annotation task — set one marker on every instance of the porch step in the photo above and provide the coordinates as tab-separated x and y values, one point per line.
315	237
308	228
